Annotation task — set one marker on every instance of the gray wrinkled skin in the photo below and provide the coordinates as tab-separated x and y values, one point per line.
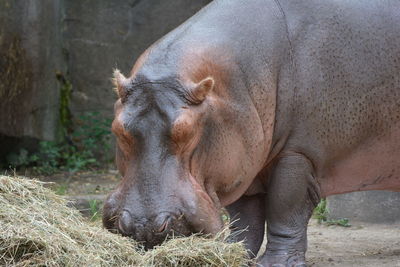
326	72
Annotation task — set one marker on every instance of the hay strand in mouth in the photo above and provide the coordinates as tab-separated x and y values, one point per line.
37	228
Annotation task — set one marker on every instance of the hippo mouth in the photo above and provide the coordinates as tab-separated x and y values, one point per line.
191	210
167	225
172	227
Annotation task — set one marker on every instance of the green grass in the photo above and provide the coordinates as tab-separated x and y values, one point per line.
94	210
344	222
61	189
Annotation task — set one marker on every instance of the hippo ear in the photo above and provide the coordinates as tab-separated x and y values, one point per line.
200	90
121	83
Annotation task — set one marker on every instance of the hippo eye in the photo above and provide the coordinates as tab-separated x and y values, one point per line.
182	130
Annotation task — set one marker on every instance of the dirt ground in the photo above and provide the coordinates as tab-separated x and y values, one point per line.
367	245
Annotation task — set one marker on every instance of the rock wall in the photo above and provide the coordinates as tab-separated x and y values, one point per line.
102	35
30	53
82	40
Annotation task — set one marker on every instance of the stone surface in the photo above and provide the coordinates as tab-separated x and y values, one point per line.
369	206
84	41
30	54
102	35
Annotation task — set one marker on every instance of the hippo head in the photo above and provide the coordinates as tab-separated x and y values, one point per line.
181	154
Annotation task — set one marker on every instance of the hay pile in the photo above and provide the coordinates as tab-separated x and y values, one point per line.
37	228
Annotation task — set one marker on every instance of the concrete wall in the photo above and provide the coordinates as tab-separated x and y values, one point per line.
81	39
369	206
30	53
102	35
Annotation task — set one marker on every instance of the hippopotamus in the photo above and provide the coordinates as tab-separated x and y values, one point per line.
262	107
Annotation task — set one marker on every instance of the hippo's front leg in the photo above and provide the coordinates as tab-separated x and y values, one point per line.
248	221
292	194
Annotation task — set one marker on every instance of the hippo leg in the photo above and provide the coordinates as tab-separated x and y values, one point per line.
248	221
292	195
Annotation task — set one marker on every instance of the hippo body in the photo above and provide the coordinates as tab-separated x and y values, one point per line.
262	107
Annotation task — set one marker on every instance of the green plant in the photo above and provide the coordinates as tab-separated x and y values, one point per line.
19	159
321	211
46	160
94	209
73	159
94	135
86	147
61	189
344	222
321	214
65	98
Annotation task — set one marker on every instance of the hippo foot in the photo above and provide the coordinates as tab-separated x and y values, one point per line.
295	259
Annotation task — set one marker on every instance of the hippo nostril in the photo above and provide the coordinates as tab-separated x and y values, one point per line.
164	226
125	223
162	223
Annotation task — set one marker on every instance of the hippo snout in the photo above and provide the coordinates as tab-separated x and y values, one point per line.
128	225
151	216
153	231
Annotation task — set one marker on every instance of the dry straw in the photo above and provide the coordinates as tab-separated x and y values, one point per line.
37	228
